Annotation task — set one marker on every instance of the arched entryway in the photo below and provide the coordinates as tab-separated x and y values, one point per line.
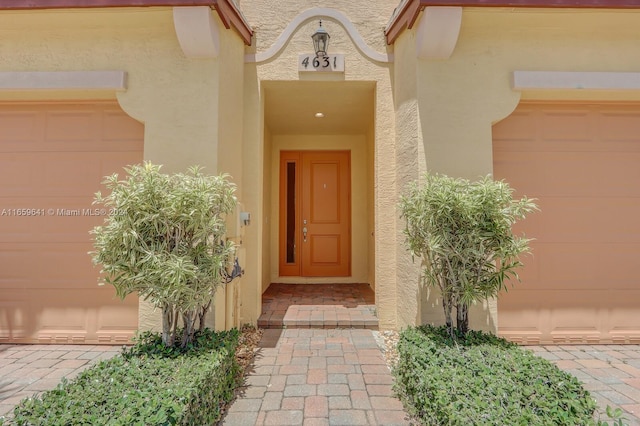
318	196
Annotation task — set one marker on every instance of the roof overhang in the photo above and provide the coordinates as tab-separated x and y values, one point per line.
229	13
407	12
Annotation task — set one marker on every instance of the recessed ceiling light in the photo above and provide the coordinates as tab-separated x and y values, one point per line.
319	115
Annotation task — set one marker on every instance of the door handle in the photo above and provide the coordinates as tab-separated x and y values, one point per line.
304	230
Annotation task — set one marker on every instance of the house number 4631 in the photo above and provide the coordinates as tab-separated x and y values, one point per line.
329	63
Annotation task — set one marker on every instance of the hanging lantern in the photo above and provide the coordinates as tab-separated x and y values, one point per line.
320	41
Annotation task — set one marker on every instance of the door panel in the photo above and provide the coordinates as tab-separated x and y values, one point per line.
324	182
319	206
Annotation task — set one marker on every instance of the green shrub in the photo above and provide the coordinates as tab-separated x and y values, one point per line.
480	379
148	384
462	233
167	242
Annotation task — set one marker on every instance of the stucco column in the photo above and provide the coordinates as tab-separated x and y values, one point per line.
179	108
409	165
458	104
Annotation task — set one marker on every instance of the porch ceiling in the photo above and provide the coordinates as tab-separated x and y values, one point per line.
290	107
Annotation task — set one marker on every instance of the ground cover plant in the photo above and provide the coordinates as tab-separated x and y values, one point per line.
148	384
480	379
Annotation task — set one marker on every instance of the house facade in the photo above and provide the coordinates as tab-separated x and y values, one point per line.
544	94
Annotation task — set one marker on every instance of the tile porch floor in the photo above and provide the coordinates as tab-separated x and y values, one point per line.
318	306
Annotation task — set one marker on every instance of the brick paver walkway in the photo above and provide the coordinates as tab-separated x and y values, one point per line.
28	369
611	373
322	377
318	377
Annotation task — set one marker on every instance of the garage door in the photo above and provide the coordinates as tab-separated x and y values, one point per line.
583	164
52	160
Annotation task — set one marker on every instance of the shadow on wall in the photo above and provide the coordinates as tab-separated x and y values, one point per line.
16	323
431	312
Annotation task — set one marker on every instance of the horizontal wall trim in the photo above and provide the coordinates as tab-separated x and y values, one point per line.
63	80
567	80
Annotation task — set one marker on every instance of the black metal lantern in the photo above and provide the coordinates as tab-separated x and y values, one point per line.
320	41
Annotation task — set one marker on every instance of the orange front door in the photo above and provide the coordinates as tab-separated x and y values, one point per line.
315	213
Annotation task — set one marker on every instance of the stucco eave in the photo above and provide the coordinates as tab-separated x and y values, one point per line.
73	4
406	14
229	13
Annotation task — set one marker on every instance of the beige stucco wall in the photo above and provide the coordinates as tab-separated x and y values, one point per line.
178	99
431	115
269	218
371	199
228	83
410	163
170	94
268	22
461	97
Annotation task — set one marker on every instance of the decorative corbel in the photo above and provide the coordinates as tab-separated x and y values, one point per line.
197	31
438	32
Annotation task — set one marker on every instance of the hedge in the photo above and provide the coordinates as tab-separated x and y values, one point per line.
148	384
484	380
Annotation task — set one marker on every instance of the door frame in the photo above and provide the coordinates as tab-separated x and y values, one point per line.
295	269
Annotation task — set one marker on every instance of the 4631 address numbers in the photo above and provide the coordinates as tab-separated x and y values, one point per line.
329	63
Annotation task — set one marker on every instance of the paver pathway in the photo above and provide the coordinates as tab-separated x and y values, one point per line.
611	373
322	377
318	377
29	369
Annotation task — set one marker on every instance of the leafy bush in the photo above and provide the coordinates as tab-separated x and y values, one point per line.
149	384
166	241
461	231
480	379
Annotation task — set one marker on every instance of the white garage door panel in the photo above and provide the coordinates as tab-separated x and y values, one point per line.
582	163
53	158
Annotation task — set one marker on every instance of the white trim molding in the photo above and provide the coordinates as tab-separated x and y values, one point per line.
312	14
63	80
438	32
579	80
197	31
